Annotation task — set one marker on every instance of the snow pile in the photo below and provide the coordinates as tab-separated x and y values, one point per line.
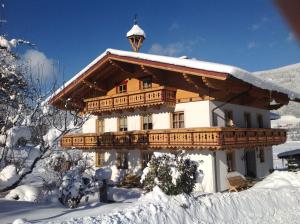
274	200
279	180
136	30
20	221
8	175
23	193
123	194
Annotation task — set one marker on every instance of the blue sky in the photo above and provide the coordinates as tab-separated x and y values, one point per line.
250	34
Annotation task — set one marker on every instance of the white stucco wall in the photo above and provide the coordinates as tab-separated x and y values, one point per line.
205	159
221	166
196	114
263	169
90	125
110	124
238	114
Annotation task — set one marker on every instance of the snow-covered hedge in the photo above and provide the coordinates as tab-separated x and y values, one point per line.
173	174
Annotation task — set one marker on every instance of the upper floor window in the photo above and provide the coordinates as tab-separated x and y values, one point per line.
146	82
123	124
229	118
214	119
122	87
260	121
122	160
147	122
178	120
100	126
247	120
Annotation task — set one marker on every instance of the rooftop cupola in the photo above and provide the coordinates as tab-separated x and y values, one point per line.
136	36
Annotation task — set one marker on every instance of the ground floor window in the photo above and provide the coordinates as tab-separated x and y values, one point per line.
122	160
230	161
100	159
261	155
146	157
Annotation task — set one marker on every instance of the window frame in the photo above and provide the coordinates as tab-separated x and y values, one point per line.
122	160
247	120
145	158
261	155
260	120
228	119
144	80
100	159
121	126
176	121
148	116
230	161
122	87
100	126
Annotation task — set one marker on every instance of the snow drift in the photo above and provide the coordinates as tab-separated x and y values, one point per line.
274	200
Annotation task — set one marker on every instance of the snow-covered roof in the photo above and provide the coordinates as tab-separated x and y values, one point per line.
136	30
190	63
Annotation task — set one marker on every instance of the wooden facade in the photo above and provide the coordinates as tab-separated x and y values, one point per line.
192	138
143	98
102	78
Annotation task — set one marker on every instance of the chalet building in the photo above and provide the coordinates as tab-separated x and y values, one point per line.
142	103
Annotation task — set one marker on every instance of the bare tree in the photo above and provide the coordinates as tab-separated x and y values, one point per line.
29	128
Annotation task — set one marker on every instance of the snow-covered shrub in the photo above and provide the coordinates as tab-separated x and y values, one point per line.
74	186
173	174
68	177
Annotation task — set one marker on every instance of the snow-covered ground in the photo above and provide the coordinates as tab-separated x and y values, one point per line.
11	210
274	200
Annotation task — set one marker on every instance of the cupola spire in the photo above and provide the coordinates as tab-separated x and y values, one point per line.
136	35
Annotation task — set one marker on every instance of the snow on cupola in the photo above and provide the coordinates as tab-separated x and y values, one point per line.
136	36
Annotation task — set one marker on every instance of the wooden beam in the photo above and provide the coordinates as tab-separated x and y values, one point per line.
121	67
93	85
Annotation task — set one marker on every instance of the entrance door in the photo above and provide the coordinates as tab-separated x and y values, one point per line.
250	163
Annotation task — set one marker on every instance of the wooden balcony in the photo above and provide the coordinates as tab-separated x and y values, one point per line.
143	98
196	138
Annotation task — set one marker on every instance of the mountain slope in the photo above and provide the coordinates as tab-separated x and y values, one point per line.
288	77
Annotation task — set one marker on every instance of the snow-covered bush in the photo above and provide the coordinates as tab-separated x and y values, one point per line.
68	176
173	174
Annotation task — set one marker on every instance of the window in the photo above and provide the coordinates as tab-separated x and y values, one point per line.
100	159
261	155
247	120
260	122
122	87
122	160
147	122
100	126
146	157
228	118
146	82
178	120
123	124
214	119
230	161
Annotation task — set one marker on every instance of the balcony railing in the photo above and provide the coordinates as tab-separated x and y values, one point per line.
196	138
142	98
